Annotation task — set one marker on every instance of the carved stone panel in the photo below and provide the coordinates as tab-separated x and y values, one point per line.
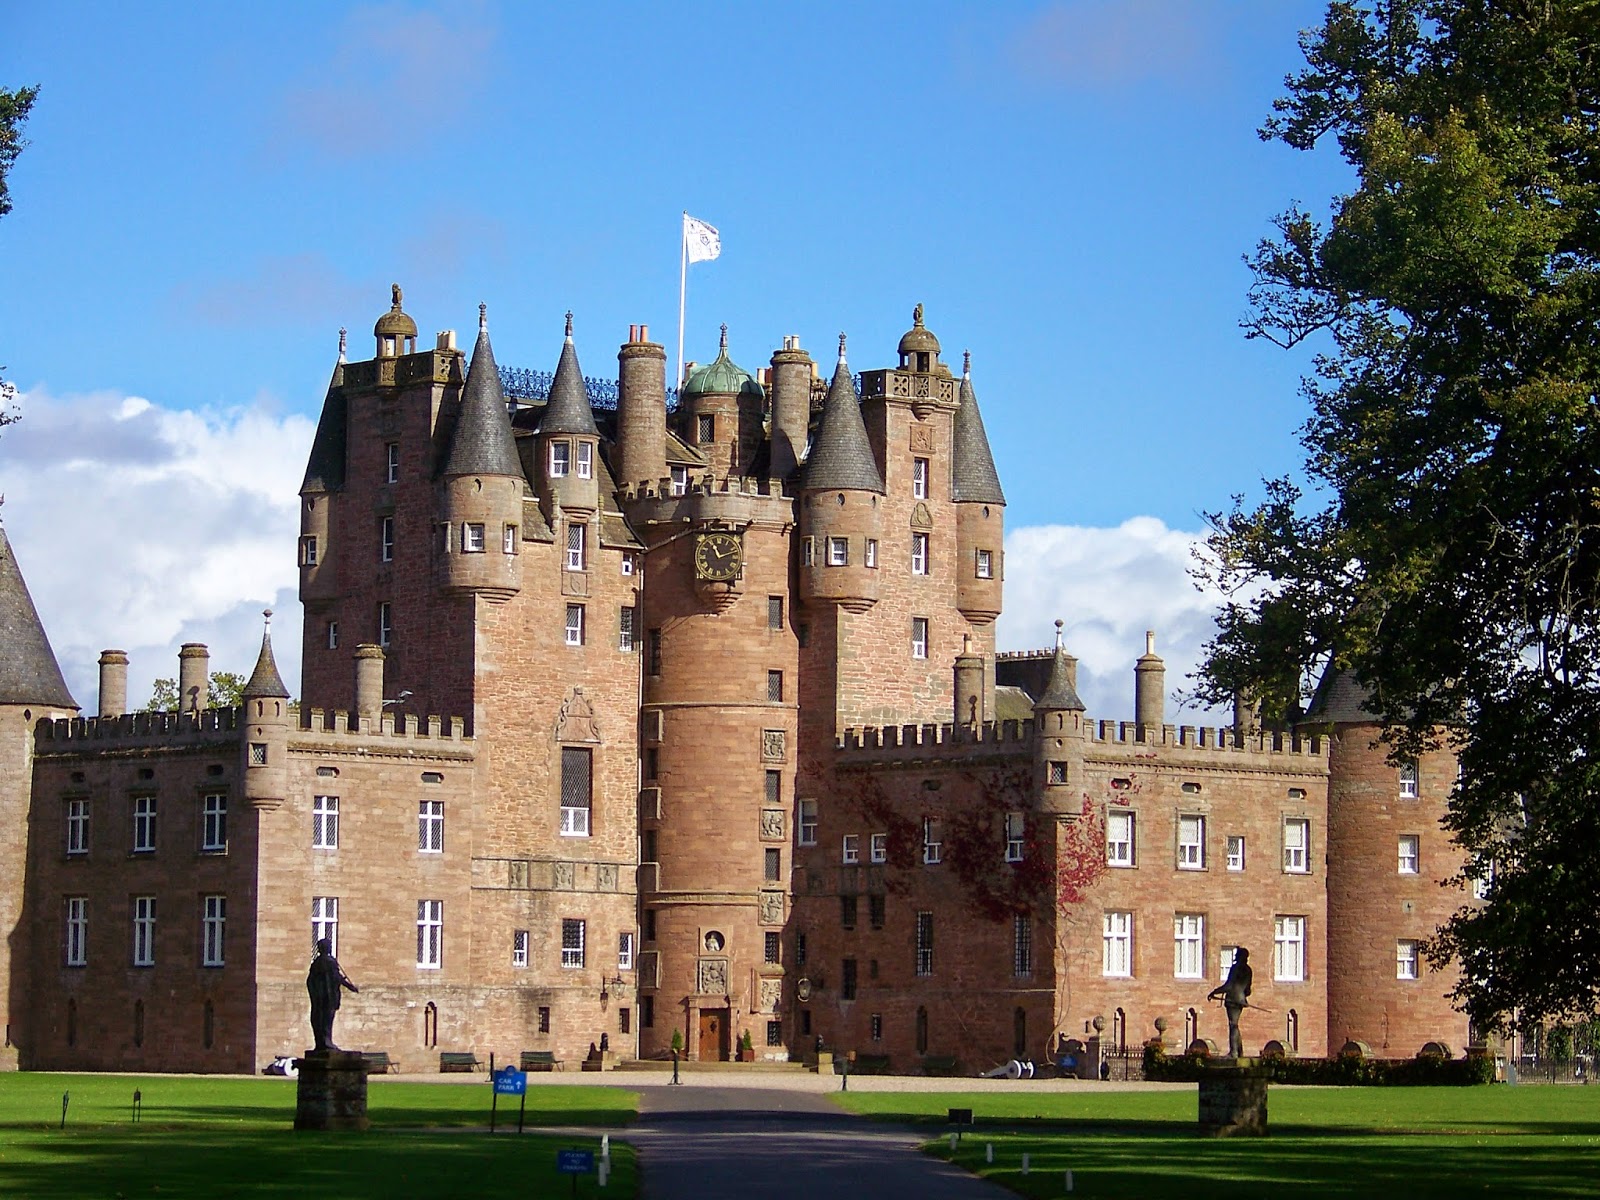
517	874
575	722
920	517
771	995
606	880
772	824
922	437
770	908
713	977
563	876
772	745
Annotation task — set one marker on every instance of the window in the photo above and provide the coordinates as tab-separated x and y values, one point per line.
76	941
1408	779
655	651
1225	957
1055	773
430	934
1405	959
1235	852
849	910
771	947
574	633
852	849
333	635
932	840
919	478
144	824
472	537
1117	944
385	624
392	455
806	825
838	552
1188	946
508	539
444	537
985	564
774	686
1297	845
576	538
571	942
577	766
879	851
924	943
1119	839
774	787
800	948
871	556
627	615
624	1019
544	1018
627	562
144	931
560	459
774	612
919	554
308	551
213	925
1408	854
1289	949
877	911
772	864
214	823
1021	945
77	827
919	637
1191	842
1483	884
1014	836
519	947
325	921
385	539
705	428
258	754
430	826
585	460
325	823
847	985
774	1033
680	480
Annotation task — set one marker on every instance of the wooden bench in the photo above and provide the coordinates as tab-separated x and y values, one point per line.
540	1060
378	1062
939	1064
870	1064
456	1060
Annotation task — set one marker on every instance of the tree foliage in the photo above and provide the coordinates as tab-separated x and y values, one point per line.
225	689
14	108
1447	549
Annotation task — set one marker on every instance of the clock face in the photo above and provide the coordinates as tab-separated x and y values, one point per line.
717	557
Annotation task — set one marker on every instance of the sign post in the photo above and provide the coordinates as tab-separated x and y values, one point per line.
574	1163
508	1081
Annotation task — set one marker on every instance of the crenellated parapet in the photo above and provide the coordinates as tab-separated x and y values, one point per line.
1205	737
338	731
931	743
141	730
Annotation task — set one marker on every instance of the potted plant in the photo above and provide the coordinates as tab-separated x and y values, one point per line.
747	1048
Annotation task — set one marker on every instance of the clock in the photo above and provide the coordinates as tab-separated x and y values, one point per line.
718	557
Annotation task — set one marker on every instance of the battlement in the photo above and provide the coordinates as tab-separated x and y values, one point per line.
703	485
919	743
140	729
338	722
1206	737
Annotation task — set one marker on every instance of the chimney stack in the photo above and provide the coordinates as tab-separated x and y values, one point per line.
113	683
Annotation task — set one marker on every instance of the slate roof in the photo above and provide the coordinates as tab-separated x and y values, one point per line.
482	443
568	410
264	680
29	673
1060	694
1339	699
325	467
841	456
972	473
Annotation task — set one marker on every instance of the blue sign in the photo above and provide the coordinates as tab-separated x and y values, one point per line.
574	1162
510	1082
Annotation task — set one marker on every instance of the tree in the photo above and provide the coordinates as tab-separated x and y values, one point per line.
14	109
225	689
1447	551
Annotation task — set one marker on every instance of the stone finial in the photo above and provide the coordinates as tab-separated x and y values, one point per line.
1149	641
724	343
916	317
266	620
841	348
569	324
483	318
966	364
1060	625
342	342
394	291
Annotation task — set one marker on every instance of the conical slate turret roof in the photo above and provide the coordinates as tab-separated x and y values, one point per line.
841	457
265	681
568	410
325	467
29	673
972	473
1340	700
482	443
1059	694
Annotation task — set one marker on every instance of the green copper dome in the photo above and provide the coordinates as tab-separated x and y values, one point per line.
721	377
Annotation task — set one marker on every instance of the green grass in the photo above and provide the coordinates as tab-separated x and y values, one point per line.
223	1137
1408	1142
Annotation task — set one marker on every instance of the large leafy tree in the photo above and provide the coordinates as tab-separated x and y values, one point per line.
1444	545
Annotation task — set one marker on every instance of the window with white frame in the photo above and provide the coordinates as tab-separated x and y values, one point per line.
1225	957
508	539
325	823
1405	959
925	943
852	849
879	849
932	840
574	629
577	538
1289	949
214	823
325	921
625	950
680	480
806	823
919	637
213	928
1119	838
144	931
1236	852
333	635
1483	884
838	552
519	947
78	826
1188	946
1408	779
560	459
577	794
1015	835
430	934
430	826
1191	842
919	478
392	455
871	555
572	930
585	460
308	551
984	567
1117	945
1021	945
628	562
472	537
1297	845
1408	854
919	554
144	824
385	539
385	624
75	944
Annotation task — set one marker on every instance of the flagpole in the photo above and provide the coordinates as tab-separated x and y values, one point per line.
683	278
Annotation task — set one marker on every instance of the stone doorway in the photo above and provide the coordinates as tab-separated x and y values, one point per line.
713	1035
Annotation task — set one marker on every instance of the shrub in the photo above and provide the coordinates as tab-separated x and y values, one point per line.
1348	1070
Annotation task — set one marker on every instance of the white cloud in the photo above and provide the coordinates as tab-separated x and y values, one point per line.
142	527
1109	586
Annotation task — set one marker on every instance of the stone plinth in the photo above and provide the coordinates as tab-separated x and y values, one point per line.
1233	1099
331	1091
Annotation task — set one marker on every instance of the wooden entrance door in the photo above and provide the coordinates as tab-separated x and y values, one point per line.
713	1035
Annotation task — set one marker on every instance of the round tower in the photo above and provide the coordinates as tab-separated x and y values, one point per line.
720	410
791	407
641	410
1058	735
264	731
980	508
1149	689
369	685
569	442
841	517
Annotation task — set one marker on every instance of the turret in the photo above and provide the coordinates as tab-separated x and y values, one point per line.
791	407
980	510
266	729
569	443
29	673
1059	732
324	480
396	333
483	484
113	683
194	677
641	409
841	520
720	407
1149	688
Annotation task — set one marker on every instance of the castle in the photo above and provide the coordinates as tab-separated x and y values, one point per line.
678	717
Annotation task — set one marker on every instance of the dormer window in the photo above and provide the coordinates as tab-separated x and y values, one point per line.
585	460
560	459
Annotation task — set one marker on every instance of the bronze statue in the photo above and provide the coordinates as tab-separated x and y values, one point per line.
323	981
1235	993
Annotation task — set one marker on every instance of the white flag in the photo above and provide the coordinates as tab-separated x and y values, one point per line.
702	240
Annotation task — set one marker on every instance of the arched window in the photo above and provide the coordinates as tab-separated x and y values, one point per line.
430	1024
1119	1030
922	1031
1019	1032
138	1022
209	1024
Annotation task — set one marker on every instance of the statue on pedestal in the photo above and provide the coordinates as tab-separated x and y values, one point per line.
323	982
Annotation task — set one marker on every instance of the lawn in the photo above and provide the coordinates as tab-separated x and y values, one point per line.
222	1137
1410	1142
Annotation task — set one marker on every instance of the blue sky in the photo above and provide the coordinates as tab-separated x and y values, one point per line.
212	191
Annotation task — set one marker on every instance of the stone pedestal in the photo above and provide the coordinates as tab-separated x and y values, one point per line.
1233	1099
331	1091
